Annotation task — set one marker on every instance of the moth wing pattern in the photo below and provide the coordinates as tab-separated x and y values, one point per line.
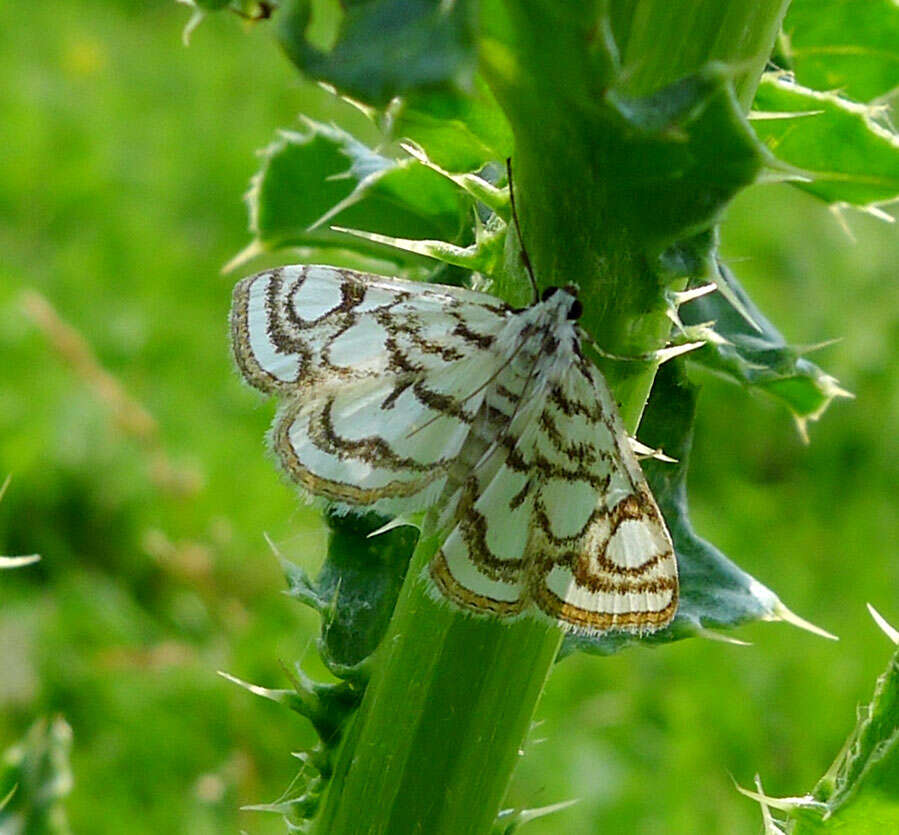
603	555
302	326
375	376
483	563
591	551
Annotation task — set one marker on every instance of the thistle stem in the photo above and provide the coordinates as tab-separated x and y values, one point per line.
442	723
433	745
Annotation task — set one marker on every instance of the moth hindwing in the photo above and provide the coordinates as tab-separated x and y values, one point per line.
398	396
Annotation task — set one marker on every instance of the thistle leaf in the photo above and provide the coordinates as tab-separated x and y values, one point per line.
844	153
313	180
753	353
845	46
383	48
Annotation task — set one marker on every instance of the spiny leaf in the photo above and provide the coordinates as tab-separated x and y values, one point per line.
384	48
847	155
362	575
509	821
14	562
493	197
861	789
302	806
845	46
314	180
250	10
484	256
18	562
325	705
888	629
683	153
654	167
755	354
461	133
301	587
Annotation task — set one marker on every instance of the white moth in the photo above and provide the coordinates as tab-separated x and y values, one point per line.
399	396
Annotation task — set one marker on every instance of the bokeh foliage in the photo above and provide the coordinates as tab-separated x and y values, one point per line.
120	201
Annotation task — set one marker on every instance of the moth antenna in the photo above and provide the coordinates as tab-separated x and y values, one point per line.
525	258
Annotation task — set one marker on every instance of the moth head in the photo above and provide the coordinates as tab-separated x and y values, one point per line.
568	298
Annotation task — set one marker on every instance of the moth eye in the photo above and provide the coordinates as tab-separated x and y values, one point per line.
547	293
576	309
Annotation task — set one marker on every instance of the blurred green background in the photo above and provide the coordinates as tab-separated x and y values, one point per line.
147	492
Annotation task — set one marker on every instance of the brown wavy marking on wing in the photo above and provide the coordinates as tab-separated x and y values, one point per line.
416	480
644	596
307	341
249	364
466	598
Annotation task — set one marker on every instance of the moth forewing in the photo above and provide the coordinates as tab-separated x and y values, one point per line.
398	396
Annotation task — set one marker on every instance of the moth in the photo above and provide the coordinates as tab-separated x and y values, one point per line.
398	397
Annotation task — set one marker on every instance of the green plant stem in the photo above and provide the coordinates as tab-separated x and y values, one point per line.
660	41
432	747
